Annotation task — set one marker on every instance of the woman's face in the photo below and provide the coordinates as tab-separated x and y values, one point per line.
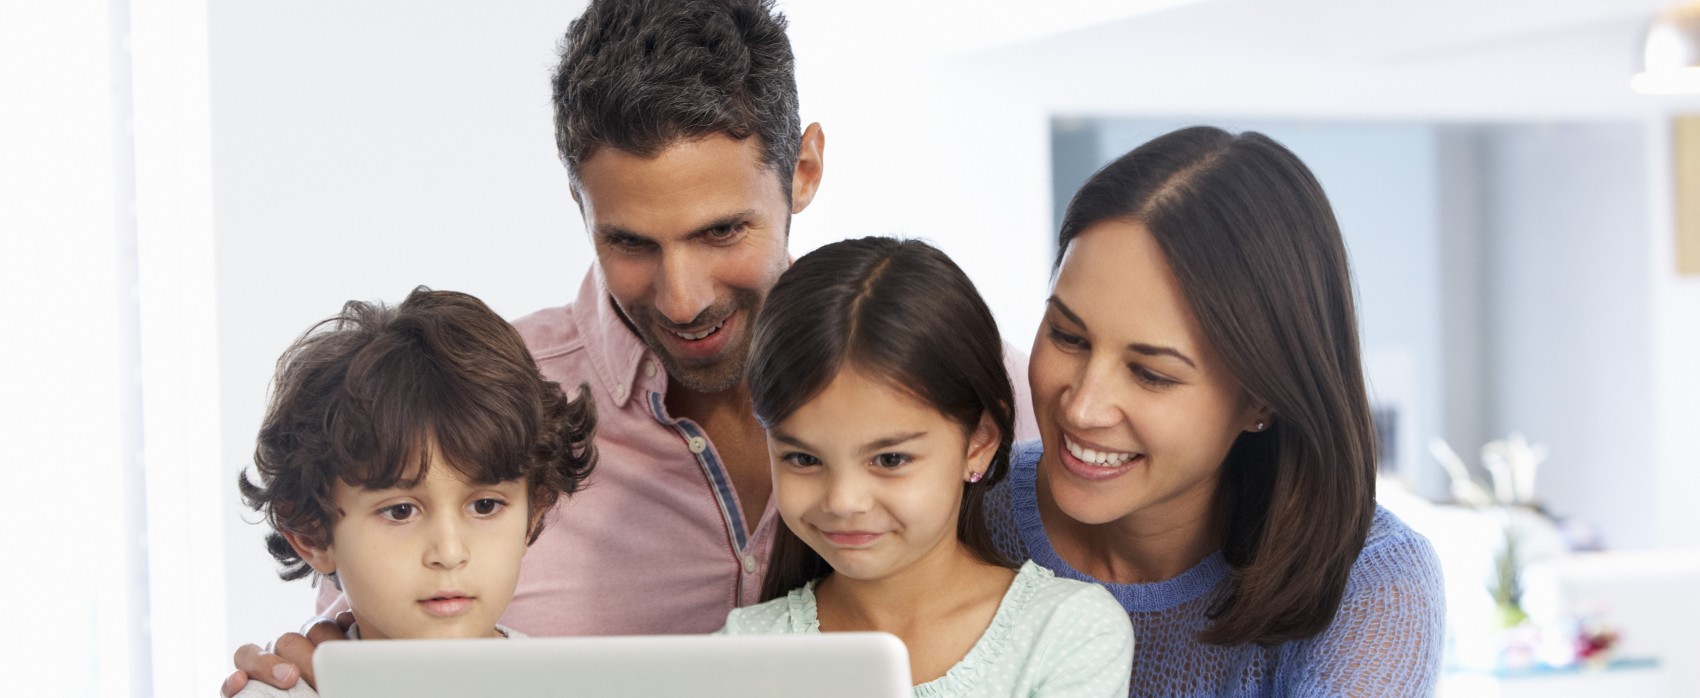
1135	407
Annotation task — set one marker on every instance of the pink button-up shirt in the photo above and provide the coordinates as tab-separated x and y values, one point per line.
657	541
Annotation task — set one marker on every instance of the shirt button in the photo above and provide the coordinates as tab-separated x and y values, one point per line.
697	444
619	392
750	564
649	369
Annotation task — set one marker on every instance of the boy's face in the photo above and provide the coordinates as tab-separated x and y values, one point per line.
438	560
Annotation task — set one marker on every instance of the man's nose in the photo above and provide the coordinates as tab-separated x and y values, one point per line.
686	288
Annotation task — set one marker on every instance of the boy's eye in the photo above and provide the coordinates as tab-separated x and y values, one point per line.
398	512
801	460
891	460
487	506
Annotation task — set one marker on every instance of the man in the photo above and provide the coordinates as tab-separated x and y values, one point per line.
678	123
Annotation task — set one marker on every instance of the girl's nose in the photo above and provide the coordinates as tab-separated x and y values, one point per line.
847	495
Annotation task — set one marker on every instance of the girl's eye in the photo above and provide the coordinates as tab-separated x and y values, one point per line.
487	506
891	460
801	460
1151	378
398	512
1066	341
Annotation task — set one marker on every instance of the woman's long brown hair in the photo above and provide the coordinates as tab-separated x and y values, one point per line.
1251	238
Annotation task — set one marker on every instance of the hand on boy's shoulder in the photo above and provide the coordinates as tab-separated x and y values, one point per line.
288	660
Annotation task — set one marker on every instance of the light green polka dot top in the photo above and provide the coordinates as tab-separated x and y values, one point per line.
1050	637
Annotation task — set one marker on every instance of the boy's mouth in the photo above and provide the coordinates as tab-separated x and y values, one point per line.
447	604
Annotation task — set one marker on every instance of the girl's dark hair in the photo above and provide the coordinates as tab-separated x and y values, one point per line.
899	310
370	395
1258	254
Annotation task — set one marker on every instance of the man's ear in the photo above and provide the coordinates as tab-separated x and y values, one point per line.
805	179
982	445
322	560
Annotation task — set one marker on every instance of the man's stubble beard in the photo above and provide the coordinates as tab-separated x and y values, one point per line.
727	370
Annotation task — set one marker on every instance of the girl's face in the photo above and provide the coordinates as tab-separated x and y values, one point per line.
1136	409
871	478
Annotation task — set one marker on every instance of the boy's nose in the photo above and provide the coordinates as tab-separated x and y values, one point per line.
446	549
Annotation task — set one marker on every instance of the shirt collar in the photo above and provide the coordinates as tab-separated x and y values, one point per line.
616	352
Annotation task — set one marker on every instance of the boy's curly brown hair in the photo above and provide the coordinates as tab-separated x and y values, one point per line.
370	395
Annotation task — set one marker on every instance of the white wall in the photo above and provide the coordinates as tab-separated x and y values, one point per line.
1568	305
68	434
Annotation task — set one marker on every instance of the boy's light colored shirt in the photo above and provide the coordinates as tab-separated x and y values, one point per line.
656	543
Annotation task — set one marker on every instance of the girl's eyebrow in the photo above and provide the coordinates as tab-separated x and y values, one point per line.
875	445
893	440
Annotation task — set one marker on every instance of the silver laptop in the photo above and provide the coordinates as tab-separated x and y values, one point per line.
832	665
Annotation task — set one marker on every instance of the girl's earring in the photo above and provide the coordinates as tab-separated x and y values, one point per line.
1260	426
973	476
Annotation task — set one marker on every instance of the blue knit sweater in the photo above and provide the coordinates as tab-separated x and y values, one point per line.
1384	641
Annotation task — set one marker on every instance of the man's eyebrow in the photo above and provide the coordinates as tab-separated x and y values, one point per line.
1138	347
726	221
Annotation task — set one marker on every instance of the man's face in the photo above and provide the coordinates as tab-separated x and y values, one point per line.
690	241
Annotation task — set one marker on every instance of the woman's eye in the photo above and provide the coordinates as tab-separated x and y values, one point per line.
487	506
1070	342
801	460
1151	378
398	512
891	460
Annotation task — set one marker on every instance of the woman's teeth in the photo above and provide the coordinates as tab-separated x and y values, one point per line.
1103	458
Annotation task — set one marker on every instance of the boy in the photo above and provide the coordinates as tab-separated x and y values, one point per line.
408	454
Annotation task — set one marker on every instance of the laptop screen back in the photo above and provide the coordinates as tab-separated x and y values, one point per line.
833	665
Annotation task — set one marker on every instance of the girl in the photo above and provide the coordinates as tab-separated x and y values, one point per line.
878	373
1208	453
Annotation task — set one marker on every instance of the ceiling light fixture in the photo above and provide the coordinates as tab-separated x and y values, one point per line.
1670	55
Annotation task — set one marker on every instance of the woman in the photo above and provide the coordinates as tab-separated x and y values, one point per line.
1208	454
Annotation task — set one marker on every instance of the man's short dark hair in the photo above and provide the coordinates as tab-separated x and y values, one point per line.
642	75
370	396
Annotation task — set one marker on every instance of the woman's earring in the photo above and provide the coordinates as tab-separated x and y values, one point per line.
973	476
1260	426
